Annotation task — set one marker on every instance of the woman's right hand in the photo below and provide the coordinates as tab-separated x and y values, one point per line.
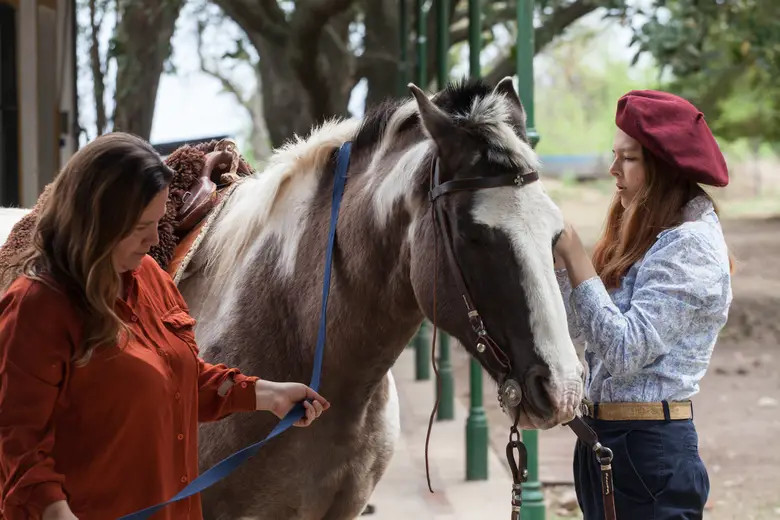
59	510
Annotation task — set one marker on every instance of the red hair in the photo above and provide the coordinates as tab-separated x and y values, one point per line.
629	233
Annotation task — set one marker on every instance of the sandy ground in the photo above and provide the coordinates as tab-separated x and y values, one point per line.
738	409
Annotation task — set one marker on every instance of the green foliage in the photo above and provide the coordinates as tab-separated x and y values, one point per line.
578	83
724	56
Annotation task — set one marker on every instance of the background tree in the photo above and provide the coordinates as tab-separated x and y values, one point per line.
128	69
722	55
310	55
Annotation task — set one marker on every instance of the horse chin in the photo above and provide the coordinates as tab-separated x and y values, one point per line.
528	419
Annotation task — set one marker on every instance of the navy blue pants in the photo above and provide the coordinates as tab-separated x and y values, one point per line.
657	471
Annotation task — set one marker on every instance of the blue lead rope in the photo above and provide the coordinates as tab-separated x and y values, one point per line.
232	462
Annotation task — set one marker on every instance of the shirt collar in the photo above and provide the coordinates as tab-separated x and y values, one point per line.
697	208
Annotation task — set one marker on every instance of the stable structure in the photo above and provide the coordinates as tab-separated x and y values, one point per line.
38	102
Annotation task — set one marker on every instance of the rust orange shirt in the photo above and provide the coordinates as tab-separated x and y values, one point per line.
119	434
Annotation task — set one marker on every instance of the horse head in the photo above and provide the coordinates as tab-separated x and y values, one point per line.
482	267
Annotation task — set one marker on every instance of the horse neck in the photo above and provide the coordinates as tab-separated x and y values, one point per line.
267	314
372	298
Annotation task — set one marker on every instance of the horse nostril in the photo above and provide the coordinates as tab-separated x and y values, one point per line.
537	382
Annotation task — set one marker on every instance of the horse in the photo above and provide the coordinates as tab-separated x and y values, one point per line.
254	287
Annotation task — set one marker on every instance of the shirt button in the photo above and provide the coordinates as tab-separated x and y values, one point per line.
180	436
134	318
243	385
184	479
177	395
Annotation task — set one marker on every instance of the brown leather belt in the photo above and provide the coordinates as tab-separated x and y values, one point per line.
678	411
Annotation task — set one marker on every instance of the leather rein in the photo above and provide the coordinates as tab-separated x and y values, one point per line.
489	353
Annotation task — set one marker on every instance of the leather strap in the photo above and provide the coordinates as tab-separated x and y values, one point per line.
588	436
487	349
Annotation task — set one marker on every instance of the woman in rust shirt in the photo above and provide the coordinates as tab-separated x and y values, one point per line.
101	386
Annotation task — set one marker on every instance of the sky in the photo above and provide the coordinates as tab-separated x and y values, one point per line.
191	104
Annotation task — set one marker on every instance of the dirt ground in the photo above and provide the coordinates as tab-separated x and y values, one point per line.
737	412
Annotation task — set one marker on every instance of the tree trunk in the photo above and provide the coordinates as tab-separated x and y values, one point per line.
306	66
143	44
260	140
381	58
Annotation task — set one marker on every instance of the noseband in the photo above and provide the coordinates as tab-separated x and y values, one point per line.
491	356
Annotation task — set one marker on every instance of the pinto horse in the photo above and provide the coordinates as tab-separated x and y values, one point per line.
254	287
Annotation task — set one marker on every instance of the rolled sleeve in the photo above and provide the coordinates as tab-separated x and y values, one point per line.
35	351
676	281
223	391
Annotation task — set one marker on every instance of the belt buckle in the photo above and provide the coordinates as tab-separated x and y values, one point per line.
585	410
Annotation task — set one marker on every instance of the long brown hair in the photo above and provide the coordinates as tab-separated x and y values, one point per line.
629	233
95	202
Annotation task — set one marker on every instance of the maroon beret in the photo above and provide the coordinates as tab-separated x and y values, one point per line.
674	131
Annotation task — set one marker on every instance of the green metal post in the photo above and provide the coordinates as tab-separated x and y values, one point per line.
442	43
422	346
533	496
476	424
446	388
422	43
524	56
422	361
403	41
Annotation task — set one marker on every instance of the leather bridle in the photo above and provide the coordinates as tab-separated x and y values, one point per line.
488	352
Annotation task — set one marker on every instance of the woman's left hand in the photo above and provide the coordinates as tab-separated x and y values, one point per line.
280	398
571	254
568	244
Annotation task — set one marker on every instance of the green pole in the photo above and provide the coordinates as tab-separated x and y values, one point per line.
422	360
446	388
422	41
533	496
446	381
476	424
403	41
524	56
442	43
422	347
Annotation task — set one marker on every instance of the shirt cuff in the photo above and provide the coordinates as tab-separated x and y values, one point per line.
243	396
587	299
39	498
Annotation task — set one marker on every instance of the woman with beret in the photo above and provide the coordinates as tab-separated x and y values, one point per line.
649	305
101	385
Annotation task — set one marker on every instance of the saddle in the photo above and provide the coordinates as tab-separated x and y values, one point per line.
202	195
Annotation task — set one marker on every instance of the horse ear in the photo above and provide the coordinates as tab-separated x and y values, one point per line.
507	87
434	120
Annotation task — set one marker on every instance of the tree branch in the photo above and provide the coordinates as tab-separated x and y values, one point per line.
307	24
98	70
258	18
555	24
226	83
460	31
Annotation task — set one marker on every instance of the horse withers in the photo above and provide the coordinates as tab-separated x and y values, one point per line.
255	284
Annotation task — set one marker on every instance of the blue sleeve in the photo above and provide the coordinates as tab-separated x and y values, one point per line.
565	286
678	283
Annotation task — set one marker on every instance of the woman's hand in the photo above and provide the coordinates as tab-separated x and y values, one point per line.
567	245
59	510
571	254
279	399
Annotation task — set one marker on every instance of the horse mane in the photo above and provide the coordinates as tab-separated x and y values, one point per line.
295	169
299	161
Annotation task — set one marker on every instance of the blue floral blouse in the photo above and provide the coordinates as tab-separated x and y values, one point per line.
652	338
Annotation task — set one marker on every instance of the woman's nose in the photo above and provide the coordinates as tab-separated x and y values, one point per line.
613	169
154	238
